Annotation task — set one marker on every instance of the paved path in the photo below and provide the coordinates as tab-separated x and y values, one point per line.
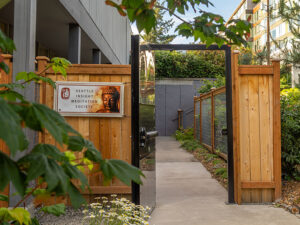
187	195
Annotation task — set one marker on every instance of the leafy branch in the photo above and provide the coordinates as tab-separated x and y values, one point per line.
206	27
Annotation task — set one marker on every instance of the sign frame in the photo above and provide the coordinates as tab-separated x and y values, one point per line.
89	114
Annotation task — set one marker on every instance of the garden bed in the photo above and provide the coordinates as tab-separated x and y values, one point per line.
290	197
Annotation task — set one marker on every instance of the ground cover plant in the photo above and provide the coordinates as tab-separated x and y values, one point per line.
115	211
43	170
216	165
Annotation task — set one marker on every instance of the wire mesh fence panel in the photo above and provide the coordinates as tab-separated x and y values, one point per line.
197	120
220	123
206	121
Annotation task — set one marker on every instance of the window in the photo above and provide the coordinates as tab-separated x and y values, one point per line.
273	33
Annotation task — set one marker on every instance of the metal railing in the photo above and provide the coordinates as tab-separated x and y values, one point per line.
210	125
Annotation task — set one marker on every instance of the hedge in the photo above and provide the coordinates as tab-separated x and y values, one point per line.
189	65
290	133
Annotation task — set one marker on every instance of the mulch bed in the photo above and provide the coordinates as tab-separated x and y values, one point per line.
290	197
200	154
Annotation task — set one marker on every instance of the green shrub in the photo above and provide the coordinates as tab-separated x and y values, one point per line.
184	134
189	65
209	84
290	133
190	145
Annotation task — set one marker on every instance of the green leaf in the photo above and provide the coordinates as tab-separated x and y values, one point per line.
122	170
11	95
53	122
74	173
10	130
77	199
25	76
47	80
93	154
22	216
57	210
4	198
76	143
10	172
12	86
4	67
34	221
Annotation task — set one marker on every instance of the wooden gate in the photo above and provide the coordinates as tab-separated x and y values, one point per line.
256	132
110	135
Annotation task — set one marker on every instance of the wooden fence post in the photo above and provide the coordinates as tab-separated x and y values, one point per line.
236	128
40	95
276	129
212	121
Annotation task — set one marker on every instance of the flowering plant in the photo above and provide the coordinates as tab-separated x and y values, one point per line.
118	211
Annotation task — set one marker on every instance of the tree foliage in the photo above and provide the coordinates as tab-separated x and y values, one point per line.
205	27
159	35
189	65
53	172
290	13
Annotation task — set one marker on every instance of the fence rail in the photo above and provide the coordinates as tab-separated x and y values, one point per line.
210	121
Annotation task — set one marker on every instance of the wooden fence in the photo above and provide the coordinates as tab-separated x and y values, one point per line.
207	130
110	135
256	132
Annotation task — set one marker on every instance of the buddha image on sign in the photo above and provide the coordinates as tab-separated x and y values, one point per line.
108	100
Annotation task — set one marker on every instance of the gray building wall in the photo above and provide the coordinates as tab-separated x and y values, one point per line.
171	95
105	27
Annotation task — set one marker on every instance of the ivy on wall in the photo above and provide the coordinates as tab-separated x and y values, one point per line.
194	64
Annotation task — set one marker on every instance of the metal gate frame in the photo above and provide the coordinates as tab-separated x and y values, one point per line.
135	50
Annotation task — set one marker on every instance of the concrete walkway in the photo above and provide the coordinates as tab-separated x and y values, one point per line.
187	195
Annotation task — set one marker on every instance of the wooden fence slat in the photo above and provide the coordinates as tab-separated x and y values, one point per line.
254	135
276	129
264	128
256	70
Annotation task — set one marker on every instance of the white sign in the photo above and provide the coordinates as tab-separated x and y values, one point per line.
95	99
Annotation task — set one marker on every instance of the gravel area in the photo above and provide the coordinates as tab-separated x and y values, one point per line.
72	217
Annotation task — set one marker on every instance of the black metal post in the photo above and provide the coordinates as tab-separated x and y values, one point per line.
135	42
229	126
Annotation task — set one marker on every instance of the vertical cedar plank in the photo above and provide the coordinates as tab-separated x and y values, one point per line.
126	120
49	97
244	135
105	132
271	136
254	135
266	169
116	136
276	129
95	177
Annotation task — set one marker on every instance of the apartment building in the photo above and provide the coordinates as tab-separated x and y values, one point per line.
279	29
